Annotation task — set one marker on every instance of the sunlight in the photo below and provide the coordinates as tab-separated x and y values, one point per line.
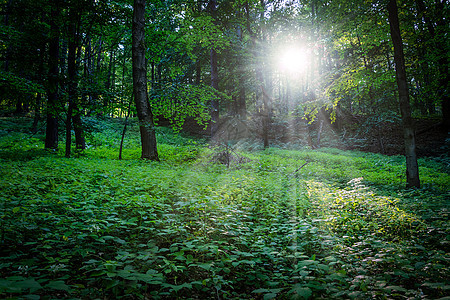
293	59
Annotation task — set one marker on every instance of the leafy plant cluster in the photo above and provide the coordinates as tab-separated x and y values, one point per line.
282	224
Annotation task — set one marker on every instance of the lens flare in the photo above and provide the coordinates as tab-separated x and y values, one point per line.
293	59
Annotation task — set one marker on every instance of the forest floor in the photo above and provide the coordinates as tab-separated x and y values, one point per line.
216	222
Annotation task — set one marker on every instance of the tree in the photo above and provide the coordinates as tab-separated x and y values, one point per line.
51	136
144	112
412	168
214	78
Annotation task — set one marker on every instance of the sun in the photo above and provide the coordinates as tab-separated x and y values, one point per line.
293	59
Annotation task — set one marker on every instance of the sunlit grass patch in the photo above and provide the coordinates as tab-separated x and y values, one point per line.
356	209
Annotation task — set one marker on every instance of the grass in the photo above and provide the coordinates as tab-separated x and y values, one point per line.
94	227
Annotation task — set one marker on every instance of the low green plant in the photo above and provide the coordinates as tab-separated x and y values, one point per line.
280	224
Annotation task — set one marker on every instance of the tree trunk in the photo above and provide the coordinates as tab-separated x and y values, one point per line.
108	84
412	168
214	79
51	134
71	72
241	107
37	114
214	102
145	116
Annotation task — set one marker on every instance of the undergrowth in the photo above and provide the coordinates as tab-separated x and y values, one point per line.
280	224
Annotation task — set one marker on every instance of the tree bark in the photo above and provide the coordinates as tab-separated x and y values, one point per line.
241	107
412	168
51	134
214	79
71	72
145	116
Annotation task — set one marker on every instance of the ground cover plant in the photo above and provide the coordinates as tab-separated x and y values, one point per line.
279	224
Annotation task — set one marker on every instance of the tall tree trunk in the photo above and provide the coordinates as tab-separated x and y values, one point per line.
412	168
80	142
267	104
214	79
145	116
241	107
265	79
51	134
37	114
88	72
71	72
108	84
214	102
95	80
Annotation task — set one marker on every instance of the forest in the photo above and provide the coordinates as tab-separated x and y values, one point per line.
224	149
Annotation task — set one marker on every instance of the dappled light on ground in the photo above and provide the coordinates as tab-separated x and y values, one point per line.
277	224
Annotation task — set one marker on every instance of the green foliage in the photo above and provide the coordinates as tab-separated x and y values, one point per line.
181	101
341	226
16	84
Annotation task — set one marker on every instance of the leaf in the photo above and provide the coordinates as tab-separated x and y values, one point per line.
58	285
31	284
176	288
205	266
301	291
14	286
269	296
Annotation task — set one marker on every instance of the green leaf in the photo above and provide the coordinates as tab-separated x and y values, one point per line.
301	291
269	296
205	266
176	288
31	284
58	285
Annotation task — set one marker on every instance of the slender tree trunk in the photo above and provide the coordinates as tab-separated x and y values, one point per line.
124	130
37	114
107	98
80	142
214	102
264	77
412	168
51	134
71	72
145	116
241	107
214	79
267	105
88	73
